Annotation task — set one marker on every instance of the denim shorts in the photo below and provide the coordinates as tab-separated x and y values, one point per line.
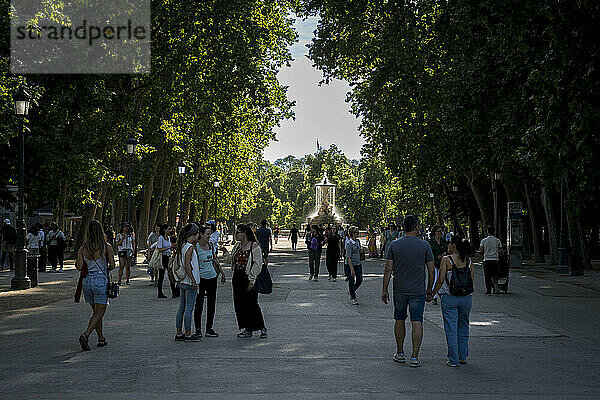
94	288
416	305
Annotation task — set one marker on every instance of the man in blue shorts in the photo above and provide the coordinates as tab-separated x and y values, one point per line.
407	258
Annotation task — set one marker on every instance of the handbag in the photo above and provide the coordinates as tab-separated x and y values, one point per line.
156	260
263	283
112	288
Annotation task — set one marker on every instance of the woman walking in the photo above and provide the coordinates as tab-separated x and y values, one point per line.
456	298
353	267
152	238
246	262
372	243
98	256
56	247
332	254
276	231
125	243
33	240
163	244
210	270
186	251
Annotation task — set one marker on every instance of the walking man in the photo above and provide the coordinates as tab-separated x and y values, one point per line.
264	237
294	237
8	240
490	246
407	258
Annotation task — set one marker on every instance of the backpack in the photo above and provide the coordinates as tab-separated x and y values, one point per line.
177	266
314	243
461	283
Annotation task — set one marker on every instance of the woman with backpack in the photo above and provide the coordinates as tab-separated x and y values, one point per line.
455	286
186	255
98	258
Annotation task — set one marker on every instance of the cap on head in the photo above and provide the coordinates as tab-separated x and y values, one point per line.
7	221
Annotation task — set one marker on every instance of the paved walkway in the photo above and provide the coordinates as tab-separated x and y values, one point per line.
539	341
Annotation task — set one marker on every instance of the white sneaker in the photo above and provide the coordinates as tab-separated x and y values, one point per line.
414	362
354	302
399	358
333	280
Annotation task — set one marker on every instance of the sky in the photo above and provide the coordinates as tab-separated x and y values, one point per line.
321	111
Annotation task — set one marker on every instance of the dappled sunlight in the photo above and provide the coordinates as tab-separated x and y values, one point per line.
484	323
304	304
18	331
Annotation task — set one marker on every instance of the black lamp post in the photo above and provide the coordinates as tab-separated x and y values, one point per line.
130	144
431	196
20	280
455	208
562	266
181	169
497	179
216	184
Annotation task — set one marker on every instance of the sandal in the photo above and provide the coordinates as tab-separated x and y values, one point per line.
83	341
102	342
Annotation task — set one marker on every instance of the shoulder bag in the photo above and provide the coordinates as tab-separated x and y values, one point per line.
112	288
263	283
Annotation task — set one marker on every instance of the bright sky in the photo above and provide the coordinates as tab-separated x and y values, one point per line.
321	111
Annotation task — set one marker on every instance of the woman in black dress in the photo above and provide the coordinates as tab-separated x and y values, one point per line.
334	250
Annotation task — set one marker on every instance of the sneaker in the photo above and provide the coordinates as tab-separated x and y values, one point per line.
193	338
316	279
263	333
60	270
310	277
244	334
329	278
399	358
161	296
211	333
448	363
51	270
333	279
127	282
180	338
462	361
354	302
119	283
198	333
414	362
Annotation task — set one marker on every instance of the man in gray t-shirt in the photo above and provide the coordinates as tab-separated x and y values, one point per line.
407	259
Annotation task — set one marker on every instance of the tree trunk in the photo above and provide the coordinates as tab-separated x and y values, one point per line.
552	228
474	228
118	217
481	204
538	254
576	235
60	204
173	205
102	197
159	200
142	230
205	207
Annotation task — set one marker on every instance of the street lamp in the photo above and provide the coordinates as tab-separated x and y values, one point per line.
455	208
130	144
562	266
20	280
431	196
181	169
216	184
496	183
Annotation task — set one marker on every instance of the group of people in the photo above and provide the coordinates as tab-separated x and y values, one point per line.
421	271
46	242
196	248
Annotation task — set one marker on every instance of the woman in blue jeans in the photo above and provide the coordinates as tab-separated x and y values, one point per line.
186	250
352	266
455	309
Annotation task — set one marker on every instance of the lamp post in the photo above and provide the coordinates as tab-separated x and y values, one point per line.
562	266
216	184
181	169
20	280
130	144
431	196
453	203
496	184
